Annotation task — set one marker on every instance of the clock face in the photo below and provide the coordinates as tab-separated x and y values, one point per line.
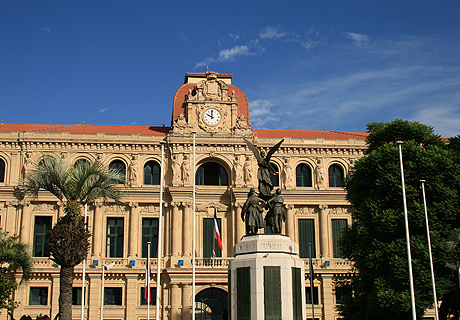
211	117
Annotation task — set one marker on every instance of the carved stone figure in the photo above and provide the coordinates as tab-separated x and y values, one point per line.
185	171
242	124
181	123
27	164
319	173
133	171
287	174
276	214
237	171
176	170
248	172
263	172
252	213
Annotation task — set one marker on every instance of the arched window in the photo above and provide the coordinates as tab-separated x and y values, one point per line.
336	176
211	174
152	173
274	176
119	166
2	170
81	162
303	176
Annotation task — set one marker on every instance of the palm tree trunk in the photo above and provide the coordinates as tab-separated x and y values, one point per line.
65	293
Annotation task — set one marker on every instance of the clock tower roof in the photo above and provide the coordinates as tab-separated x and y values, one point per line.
191	79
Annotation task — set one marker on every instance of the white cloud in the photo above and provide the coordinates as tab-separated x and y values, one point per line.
272	33
234	36
357	38
46	29
444	119
227	55
260	112
104	109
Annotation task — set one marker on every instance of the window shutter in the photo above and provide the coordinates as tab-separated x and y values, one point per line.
306	236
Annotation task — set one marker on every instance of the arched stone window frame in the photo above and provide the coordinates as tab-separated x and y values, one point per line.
341	167
4	165
153	182
218	161
310	168
123	168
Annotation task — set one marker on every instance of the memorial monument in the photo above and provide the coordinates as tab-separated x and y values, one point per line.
266	276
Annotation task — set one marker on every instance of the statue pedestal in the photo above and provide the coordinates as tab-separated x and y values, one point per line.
266	279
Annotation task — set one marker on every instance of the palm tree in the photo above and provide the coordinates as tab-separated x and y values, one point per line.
75	185
14	256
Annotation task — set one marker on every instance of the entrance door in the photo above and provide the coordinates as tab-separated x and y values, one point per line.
211	304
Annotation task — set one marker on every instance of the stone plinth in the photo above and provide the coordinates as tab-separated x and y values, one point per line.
267	279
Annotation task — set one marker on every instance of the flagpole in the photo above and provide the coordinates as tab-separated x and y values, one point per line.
147	275
422	182
194	227
312	275
214	238
406	219
84	271
160	232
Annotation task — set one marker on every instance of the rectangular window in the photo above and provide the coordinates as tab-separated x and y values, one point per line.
41	229
308	295
153	296
113	296
338	226
76	296
115	236
150	234
306	236
210	245
38	296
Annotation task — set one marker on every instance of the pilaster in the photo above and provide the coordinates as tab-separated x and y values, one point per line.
324	243
97	227
290	221
133	230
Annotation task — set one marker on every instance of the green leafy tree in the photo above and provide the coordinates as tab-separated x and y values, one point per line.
75	185
14	257
376	241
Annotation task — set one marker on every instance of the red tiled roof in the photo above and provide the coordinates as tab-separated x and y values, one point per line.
309	134
84	128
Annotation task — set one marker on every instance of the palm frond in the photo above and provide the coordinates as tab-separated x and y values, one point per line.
15	254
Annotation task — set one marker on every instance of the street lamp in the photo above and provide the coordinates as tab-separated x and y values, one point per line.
104	267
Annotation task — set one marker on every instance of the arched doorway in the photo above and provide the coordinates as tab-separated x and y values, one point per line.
211	304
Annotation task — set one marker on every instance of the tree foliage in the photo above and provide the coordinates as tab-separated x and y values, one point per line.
14	257
376	242
74	184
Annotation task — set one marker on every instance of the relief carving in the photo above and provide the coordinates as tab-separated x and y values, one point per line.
176	170
181	124
185	171
248	172
319	173
133	171
306	211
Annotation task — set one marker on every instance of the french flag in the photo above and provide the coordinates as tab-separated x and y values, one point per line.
216	229
147	294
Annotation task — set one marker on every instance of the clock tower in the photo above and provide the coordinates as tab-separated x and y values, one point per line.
209	103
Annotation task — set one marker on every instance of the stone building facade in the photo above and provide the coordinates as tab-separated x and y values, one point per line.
311	166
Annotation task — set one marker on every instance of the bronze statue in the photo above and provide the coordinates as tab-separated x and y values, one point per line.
276	214
252	212
263	173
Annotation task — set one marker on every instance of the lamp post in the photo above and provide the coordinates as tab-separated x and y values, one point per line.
422	185
406	220
104	267
194	231
84	271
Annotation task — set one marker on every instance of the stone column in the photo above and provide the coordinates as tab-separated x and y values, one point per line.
94	295
54	295
176	230
327	297
133	230
98	226
26	221
187	301
290	221
240	227
187	234
175	301
132	295
323	231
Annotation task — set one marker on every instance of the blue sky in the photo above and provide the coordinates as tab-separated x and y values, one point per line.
315	65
